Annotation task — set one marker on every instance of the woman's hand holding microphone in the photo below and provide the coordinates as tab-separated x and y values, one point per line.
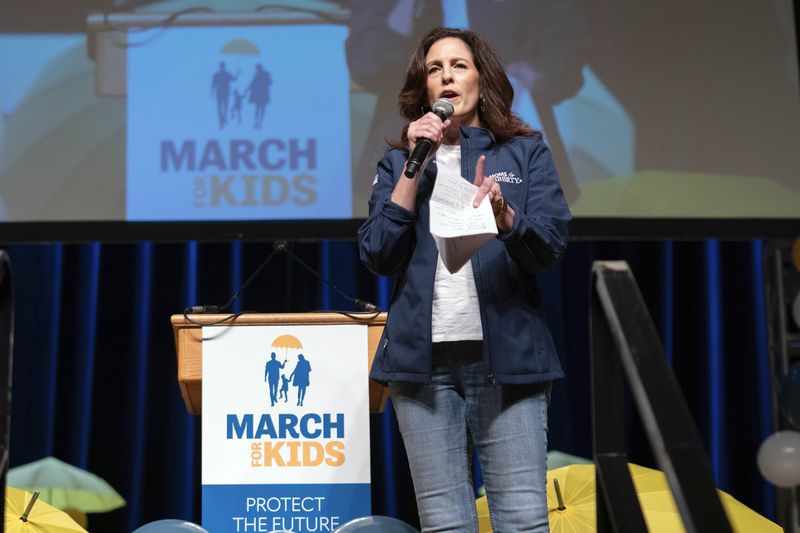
430	127
427	130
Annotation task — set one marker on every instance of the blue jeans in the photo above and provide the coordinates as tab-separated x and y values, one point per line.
507	424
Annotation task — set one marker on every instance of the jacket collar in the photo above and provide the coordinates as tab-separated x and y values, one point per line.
476	138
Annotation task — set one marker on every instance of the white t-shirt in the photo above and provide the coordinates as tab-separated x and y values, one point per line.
456	310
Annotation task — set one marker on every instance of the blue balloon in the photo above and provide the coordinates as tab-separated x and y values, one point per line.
376	524
170	526
790	395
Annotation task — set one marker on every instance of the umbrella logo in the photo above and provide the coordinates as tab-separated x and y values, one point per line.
230	93
293	368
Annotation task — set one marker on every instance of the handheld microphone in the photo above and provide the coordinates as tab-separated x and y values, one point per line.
442	108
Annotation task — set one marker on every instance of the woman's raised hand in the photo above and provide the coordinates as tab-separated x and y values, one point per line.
504	216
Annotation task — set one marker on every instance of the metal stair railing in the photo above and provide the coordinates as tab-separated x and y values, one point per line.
625	348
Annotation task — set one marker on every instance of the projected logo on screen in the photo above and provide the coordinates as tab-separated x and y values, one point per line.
231	92
221	126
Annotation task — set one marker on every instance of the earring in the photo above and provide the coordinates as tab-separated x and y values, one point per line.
482	104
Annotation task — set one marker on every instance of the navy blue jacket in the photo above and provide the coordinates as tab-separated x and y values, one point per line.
517	345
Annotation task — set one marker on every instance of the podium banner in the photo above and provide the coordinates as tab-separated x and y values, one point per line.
285	430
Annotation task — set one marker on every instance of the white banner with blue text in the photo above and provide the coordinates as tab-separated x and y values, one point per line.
285	433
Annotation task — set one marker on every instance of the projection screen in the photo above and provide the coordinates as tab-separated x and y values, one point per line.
182	119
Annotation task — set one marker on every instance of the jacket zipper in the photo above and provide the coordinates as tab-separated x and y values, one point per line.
383	350
429	333
488	360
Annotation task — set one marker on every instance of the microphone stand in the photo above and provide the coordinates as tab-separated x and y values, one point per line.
278	246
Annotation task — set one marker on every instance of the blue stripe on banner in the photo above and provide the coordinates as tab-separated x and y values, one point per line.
716	371
763	368
272	508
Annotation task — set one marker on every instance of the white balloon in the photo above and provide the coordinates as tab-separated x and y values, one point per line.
779	459
170	525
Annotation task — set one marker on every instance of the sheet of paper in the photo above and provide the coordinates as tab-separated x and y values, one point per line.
458	229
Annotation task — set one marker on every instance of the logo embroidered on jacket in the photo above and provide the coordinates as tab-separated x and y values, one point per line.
506	177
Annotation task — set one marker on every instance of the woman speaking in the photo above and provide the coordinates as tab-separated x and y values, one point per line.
468	358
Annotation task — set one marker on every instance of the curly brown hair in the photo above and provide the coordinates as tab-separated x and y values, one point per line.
495	88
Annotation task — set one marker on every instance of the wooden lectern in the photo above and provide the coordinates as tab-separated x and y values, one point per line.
189	342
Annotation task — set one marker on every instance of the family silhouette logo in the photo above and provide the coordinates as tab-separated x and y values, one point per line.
231	93
293	369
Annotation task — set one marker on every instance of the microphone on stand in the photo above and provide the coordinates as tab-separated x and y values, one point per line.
278	246
442	108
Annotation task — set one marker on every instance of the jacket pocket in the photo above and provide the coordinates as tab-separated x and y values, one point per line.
513	273
523	285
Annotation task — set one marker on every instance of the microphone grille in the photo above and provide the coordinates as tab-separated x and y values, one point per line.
444	106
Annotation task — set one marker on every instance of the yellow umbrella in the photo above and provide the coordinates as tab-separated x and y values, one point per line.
576	483
26	513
